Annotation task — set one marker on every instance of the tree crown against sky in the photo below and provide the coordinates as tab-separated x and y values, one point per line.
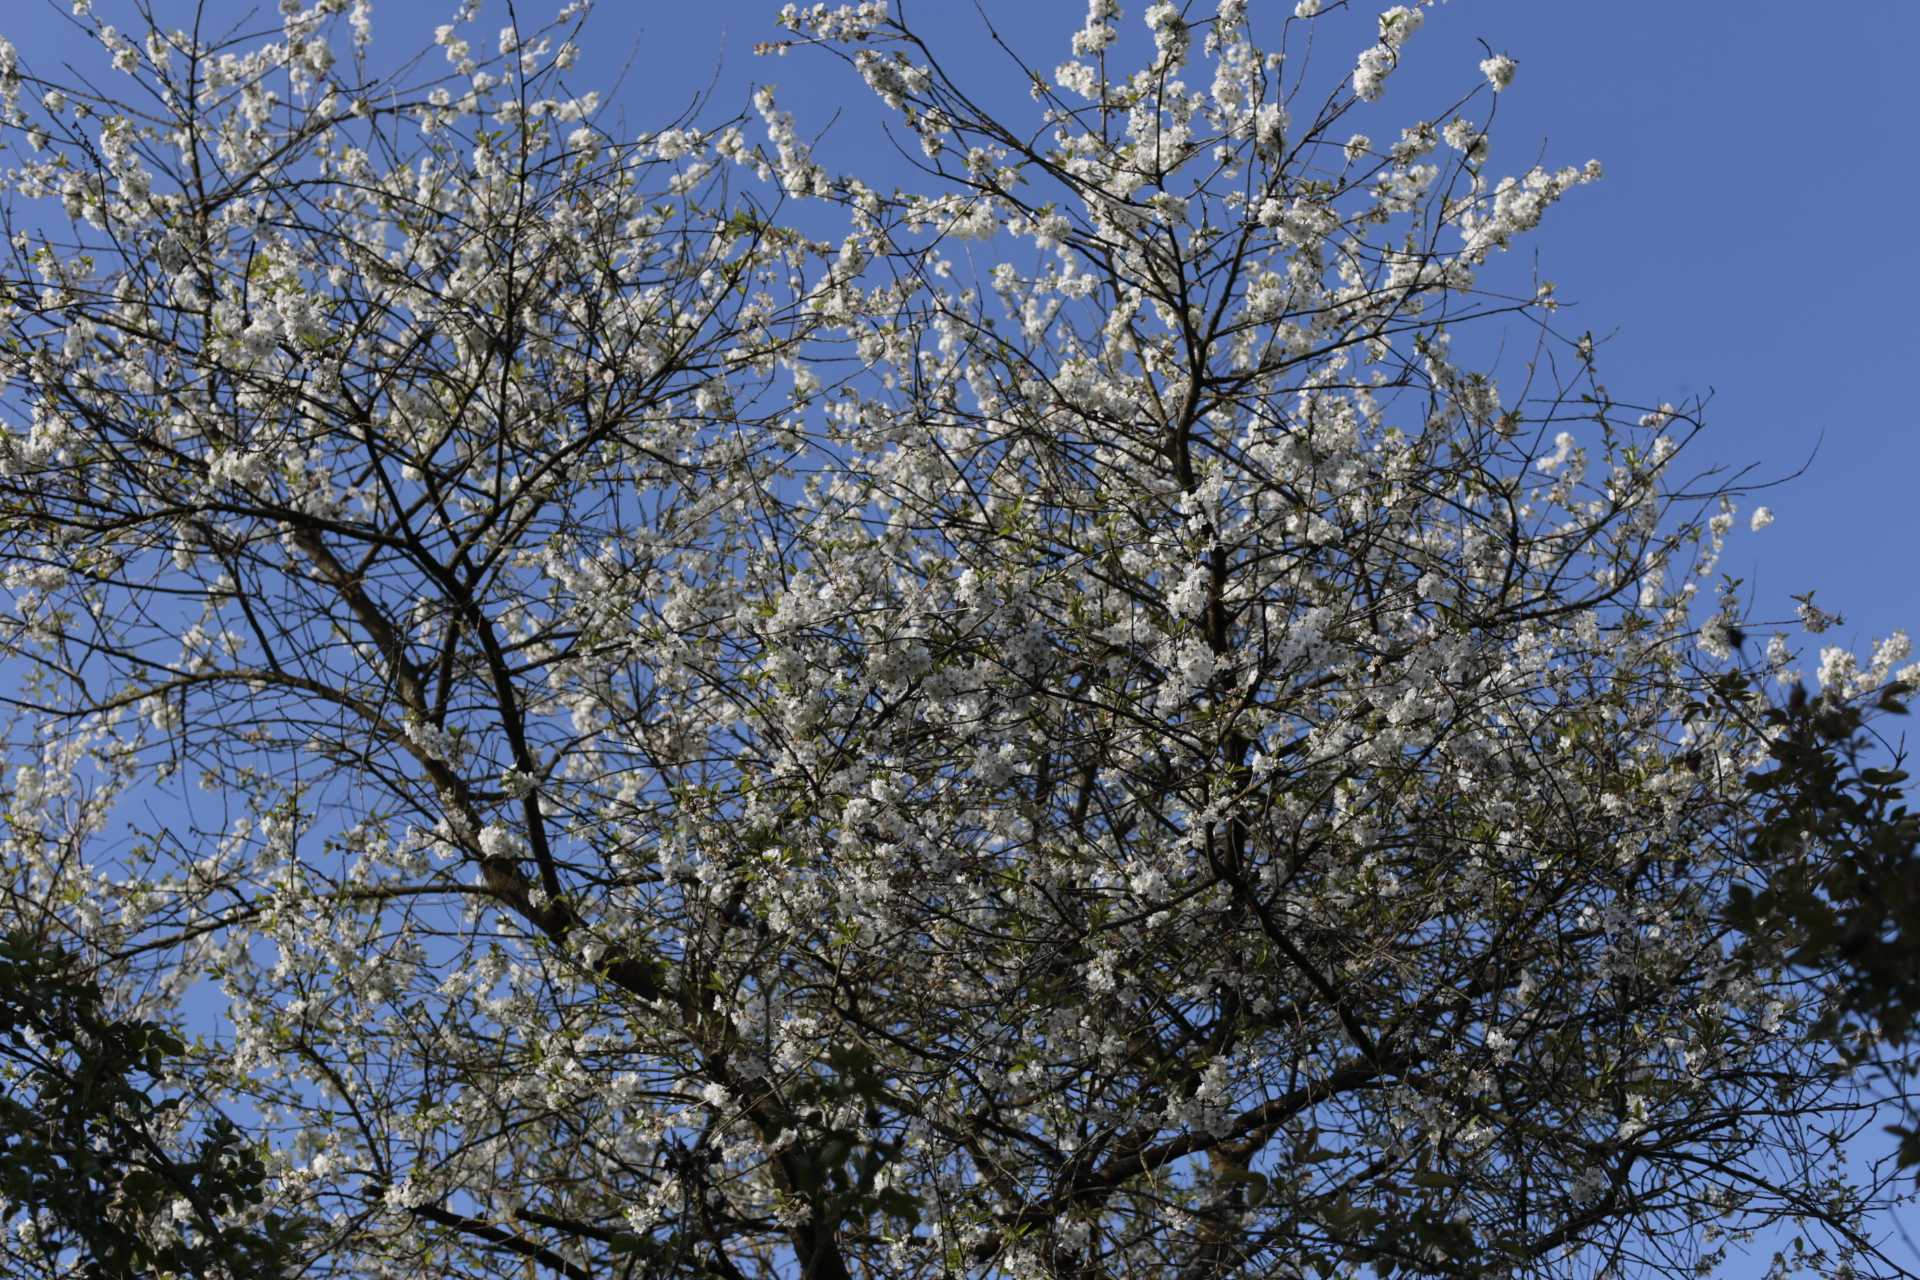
1071	727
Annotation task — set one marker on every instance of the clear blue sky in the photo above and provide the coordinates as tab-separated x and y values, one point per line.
1754	236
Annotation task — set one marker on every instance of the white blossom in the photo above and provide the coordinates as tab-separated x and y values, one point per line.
1498	70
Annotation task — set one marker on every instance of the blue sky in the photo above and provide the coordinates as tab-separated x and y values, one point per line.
1752	239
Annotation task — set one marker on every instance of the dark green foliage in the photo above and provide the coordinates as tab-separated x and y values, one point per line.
834	1161
1853	914
84	1146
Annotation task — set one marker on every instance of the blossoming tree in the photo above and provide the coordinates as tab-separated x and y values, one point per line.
1063	728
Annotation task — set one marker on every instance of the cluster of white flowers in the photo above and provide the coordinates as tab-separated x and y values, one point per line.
836	22
1098	31
1378	61
1517	205
798	174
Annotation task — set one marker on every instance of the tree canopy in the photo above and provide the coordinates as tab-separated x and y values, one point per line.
707	715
